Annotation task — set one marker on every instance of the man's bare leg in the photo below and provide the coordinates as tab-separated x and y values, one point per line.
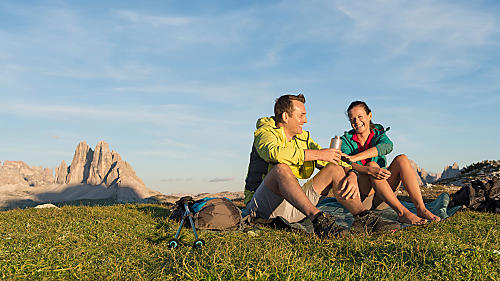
281	181
330	177
401	169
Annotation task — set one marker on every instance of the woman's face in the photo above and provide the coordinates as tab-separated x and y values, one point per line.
360	121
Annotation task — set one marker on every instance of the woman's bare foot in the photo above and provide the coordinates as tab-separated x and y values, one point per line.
410	218
425	213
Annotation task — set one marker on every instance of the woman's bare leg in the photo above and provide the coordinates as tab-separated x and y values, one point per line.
365	186
384	191
401	170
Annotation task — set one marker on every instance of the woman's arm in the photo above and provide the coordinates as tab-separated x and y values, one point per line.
376	172
382	146
369	153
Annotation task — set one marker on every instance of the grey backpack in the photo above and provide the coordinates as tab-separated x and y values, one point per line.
212	214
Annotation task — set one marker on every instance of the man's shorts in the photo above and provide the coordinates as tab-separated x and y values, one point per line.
266	204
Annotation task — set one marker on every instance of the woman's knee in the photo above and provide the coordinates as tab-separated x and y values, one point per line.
401	158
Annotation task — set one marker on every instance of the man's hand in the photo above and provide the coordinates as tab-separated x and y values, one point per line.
349	188
330	155
379	173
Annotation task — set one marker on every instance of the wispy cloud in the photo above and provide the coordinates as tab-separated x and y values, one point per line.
155	21
220	180
167	114
424	42
405	23
177	180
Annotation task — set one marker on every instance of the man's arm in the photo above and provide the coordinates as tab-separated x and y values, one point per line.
328	154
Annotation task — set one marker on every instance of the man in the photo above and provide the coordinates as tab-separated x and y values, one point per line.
283	152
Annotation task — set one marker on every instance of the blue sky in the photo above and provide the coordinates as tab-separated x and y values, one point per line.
176	86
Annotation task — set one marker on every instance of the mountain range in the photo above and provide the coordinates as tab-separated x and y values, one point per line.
102	175
94	174
425	177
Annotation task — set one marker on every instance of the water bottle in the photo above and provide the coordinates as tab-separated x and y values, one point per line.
336	143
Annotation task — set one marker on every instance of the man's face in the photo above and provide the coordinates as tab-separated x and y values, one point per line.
295	121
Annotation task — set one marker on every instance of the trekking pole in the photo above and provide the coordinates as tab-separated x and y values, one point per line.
198	243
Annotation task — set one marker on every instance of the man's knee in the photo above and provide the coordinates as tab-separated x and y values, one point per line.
281	169
332	168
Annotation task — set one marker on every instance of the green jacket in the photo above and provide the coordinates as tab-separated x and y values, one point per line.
380	141
270	147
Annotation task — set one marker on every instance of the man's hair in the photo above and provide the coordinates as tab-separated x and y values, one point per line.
284	104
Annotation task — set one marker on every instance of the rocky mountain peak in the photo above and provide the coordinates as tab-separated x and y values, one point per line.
105	168
450	171
61	173
100	165
423	176
79	168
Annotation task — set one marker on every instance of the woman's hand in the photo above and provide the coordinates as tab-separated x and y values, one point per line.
379	173
348	158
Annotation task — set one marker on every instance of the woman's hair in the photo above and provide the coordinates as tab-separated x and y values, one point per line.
364	106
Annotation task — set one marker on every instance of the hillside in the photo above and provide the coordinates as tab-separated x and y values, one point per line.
129	242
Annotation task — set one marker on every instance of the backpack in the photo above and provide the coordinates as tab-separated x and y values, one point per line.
211	214
479	195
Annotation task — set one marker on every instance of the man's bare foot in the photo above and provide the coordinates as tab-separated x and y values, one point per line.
410	218
426	214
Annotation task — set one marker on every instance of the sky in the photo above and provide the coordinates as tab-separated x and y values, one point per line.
176	87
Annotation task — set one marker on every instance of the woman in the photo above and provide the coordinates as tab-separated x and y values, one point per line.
366	146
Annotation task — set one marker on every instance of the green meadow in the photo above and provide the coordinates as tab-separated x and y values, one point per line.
129	242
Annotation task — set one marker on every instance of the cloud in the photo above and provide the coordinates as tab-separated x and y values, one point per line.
406	23
177	180
421	43
166	114
63	42
220	180
155	21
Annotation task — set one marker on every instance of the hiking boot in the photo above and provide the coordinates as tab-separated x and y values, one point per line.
324	226
368	222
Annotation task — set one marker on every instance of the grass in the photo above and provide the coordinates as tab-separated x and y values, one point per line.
129	242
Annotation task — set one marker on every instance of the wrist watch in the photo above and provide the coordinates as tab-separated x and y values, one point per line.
354	171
